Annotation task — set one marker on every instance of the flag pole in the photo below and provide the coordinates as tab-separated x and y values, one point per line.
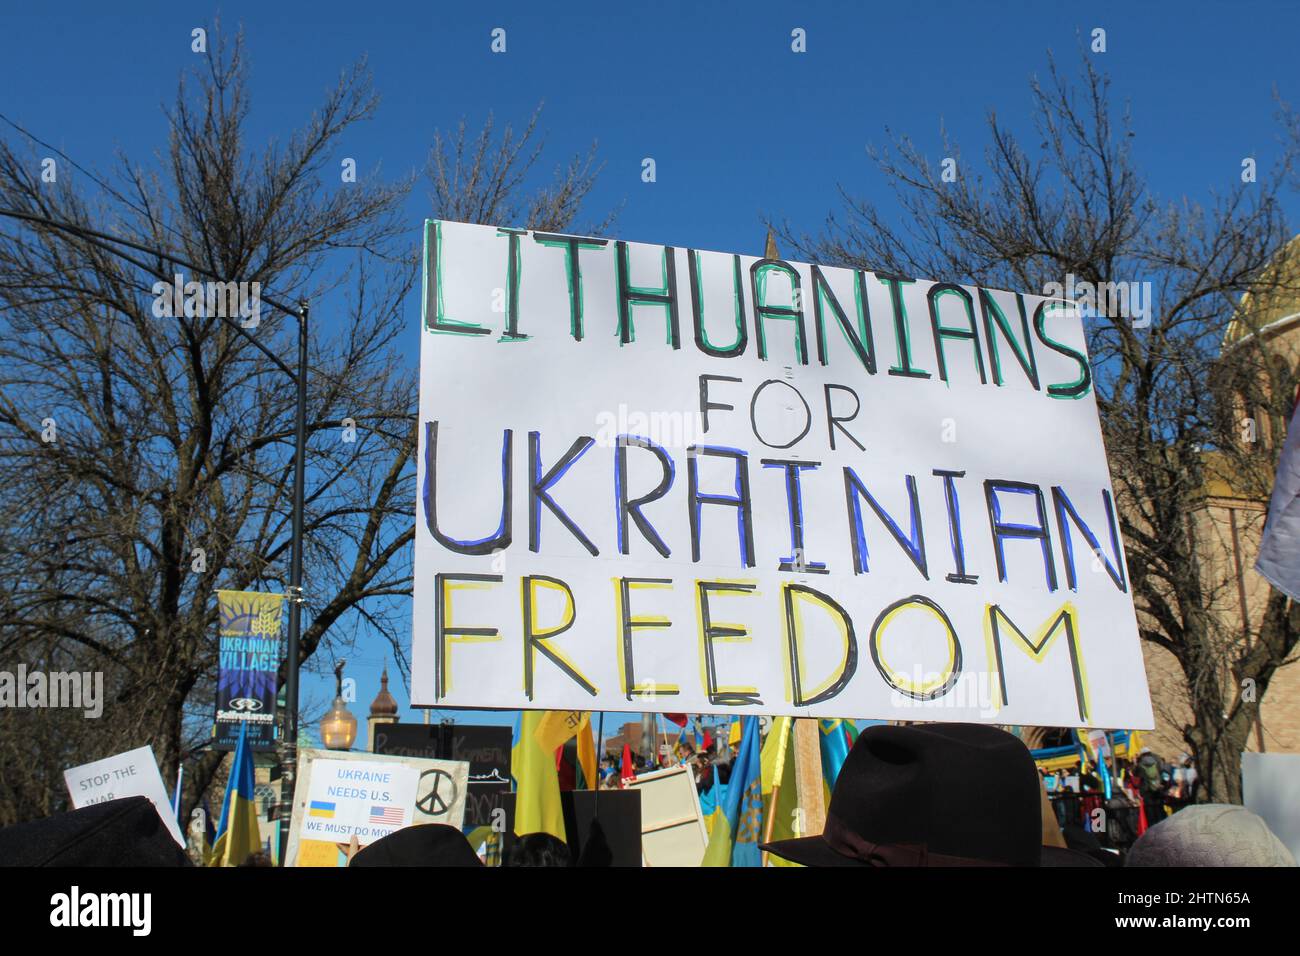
176	797
777	774
600	759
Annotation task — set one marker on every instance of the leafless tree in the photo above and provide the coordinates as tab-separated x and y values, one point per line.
146	458
1067	198
484	179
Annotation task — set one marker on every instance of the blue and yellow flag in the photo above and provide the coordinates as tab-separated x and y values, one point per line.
734	841
237	833
713	800
532	765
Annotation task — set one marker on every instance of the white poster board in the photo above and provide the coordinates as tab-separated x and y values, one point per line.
673	832
339	796
131	774
1270	787
660	479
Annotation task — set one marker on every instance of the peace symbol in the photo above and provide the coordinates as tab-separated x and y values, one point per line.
439	798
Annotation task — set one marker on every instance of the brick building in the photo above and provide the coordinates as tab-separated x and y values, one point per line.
1228	528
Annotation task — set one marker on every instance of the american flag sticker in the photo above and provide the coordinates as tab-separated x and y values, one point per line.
391	816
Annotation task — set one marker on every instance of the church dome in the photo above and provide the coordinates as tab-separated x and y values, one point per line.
383	705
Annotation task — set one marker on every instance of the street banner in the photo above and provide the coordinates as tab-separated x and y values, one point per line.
657	478
131	774
248	660
339	796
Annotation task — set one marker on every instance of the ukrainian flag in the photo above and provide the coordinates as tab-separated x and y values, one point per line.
712	802
319	808
734	841
237	834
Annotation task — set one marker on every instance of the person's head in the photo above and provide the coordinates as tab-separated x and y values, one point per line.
426	844
260	858
1210	834
539	849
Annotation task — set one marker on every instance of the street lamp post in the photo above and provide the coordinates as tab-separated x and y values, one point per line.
338	730
289	759
113	245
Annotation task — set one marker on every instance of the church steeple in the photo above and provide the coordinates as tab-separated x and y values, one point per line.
383	709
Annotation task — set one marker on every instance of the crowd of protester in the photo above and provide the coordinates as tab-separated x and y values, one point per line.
706	766
919	795
1131	793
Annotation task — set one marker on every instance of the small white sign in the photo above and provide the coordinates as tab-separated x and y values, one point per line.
131	774
341	795
366	800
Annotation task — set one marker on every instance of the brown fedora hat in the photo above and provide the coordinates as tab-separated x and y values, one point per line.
933	795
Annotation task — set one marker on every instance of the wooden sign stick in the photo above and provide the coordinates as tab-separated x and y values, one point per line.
808	775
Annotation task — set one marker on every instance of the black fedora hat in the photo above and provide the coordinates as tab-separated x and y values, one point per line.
933	795
123	832
427	844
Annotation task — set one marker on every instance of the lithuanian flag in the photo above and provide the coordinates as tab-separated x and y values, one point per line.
532	766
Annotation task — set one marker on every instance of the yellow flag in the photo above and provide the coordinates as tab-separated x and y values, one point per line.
587	752
554	731
777	763
557	726
537	806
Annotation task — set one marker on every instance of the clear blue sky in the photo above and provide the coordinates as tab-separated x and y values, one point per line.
737	123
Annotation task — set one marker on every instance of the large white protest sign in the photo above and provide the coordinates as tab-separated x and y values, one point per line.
342	796
131	774
658	478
